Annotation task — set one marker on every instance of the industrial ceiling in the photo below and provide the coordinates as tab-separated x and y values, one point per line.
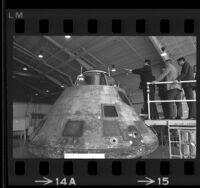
42	78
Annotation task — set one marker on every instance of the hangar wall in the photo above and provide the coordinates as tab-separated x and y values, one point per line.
25	109
28	113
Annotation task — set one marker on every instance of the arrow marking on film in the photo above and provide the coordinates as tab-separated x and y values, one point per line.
148	181
45	181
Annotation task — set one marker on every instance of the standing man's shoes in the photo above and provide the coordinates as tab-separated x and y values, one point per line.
191	118
178	117
171	118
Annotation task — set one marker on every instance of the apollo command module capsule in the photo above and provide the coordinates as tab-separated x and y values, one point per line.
95	116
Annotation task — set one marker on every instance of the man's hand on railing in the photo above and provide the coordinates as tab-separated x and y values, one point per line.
176	81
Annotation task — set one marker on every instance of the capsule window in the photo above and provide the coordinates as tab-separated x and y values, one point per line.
73	128
124	98
110	111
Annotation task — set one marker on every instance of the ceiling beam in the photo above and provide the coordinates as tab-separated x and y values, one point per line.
81	62
74	57
30	54
40	72
33	88
171	49
90	54
43	97
55	56
132	48
178	46
157	45
193	43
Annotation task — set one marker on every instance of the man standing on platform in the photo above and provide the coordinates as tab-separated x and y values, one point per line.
146	75
187	74
162	94
173	89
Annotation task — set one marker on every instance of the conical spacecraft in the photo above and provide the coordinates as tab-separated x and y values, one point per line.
95	116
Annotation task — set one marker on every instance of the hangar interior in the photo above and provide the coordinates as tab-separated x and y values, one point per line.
44	66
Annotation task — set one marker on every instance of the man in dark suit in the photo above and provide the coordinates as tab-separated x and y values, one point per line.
146	75
187	74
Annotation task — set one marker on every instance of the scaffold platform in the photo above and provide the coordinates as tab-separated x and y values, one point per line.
166	122
181	136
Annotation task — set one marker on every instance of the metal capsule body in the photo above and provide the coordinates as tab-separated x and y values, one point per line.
93	119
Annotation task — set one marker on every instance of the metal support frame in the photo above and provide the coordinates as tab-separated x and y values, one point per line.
86	51
34	88
89	53
132	48
155	101
179	128
40	72
157	45
178	46
193	43
148	99
55	56
33	56
58	45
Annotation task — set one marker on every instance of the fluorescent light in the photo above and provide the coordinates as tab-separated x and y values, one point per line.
67	36
113	68
36	94
62	86
163	54
47	91
40	56
25	68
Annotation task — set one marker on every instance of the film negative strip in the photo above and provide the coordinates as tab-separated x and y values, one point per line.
92	134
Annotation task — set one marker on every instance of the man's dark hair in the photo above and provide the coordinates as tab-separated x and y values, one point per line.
181	59
147	61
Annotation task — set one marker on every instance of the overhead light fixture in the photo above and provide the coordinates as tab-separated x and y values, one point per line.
81	78
47	91
36	94
62	86
163	54
113	68
40	55
67	36
25	68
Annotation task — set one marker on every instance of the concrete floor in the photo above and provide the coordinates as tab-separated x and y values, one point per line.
20	150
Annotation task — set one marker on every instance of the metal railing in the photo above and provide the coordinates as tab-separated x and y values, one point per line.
160	101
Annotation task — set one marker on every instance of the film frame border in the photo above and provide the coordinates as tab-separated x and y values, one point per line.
103	22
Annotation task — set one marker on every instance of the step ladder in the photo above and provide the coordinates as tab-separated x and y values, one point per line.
185	141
